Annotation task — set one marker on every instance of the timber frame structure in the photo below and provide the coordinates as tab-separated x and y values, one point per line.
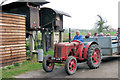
29	8
45	20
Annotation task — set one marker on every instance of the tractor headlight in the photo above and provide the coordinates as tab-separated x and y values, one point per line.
58	59
53	58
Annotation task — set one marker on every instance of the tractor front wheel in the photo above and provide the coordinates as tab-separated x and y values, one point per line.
48	65
94	56
71	65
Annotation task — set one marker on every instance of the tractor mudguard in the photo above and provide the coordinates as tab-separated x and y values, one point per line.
86	47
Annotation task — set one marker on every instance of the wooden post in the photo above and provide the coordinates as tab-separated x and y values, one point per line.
60	36
52	36
52	40
43	41
31	43
61	27
34	19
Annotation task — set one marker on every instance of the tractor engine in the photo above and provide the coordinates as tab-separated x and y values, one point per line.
65	49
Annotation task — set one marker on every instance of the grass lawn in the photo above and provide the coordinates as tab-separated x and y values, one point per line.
24	67
111	33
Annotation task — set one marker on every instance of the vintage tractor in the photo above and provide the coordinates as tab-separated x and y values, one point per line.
73	52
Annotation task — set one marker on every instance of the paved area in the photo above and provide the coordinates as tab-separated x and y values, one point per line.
107	69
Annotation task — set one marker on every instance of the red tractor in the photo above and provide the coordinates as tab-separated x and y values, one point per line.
72	53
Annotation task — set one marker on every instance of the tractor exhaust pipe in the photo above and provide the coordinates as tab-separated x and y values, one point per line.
69	35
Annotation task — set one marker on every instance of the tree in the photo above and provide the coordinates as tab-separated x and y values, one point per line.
100	24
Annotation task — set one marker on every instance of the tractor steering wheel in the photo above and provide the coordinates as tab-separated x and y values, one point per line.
76	41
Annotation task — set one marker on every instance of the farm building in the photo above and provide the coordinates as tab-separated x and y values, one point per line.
22	19
13	38
14	19
52	22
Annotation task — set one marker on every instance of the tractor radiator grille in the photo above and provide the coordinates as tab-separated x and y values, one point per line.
58	51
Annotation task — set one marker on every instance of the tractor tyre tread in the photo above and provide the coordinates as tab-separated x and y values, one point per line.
67	65
44	64
89	56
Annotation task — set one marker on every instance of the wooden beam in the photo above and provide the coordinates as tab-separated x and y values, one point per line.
9	24
43	41
12	16
12	22
12	39
12	28
13	19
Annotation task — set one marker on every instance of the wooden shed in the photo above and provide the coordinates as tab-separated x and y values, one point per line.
51	22
12	38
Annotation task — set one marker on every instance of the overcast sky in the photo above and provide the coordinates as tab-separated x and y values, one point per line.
84	12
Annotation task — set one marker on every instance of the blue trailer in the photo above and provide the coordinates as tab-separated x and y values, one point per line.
109	45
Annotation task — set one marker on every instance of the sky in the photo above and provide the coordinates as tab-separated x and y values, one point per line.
84	12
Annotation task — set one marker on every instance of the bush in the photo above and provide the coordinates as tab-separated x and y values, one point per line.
50	52
10	67
27	45
28	53
65	40
16	64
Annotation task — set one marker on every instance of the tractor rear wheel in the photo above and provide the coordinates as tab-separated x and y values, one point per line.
47	65
94	56
71	65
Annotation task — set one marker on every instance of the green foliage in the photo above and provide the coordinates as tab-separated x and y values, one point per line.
111	33
66	40
50	52
25	62
28	48
16	64
28	53
27	45
100	24
9	67
4	68
25	66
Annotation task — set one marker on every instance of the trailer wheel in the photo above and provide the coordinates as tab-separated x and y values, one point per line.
94	56
47	65
71	65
